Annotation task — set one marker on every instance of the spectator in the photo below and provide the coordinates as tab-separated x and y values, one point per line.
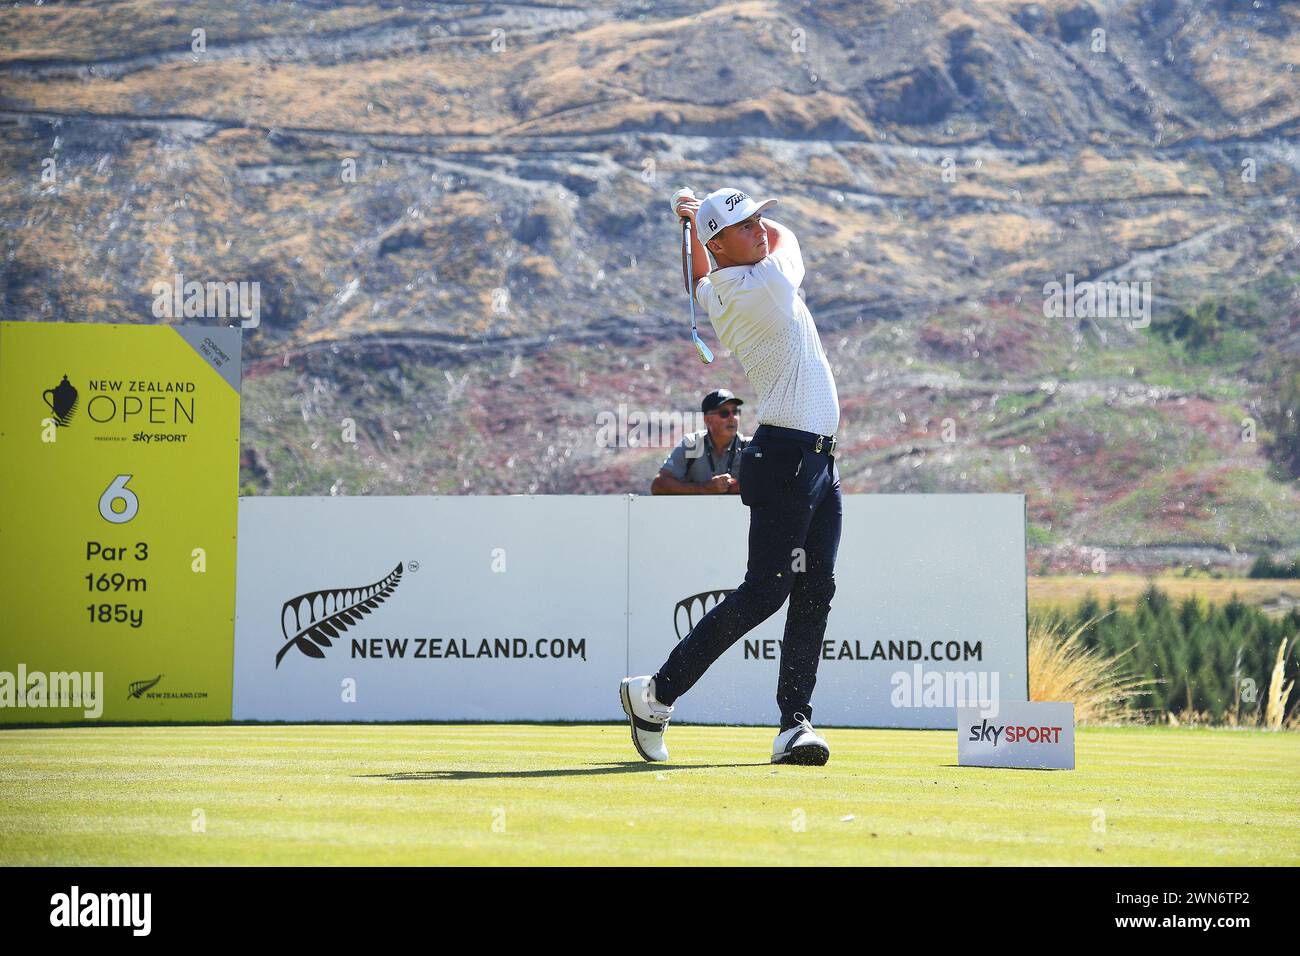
706	462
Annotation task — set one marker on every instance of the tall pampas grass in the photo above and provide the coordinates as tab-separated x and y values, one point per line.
1061	668
1279	689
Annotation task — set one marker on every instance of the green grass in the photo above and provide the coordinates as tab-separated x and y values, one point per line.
1239	504
427	794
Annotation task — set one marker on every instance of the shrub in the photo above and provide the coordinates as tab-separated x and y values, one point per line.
1266	567
1061	668
1195	661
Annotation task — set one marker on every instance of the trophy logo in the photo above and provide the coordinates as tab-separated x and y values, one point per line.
62	400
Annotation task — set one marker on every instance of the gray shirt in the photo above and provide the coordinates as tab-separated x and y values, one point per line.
694	459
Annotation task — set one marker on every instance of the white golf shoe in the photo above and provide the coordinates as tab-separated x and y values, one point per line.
800	744
648	717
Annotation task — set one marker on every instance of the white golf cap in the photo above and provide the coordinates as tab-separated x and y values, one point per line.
725	207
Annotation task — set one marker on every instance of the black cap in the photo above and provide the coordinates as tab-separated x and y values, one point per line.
715	398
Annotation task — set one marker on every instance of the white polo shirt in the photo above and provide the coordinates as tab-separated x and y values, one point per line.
757	313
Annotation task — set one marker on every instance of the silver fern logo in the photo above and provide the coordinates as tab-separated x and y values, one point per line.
687	608
311	621
139	688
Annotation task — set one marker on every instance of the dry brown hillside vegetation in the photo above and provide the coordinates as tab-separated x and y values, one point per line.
456	216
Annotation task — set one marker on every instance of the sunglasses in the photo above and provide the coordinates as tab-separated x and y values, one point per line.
725	413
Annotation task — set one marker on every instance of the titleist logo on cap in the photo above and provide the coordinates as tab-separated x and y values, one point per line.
731	202
725	207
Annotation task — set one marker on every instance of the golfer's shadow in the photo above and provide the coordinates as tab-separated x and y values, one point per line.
629	766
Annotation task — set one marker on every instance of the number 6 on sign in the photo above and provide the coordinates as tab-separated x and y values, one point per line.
118	491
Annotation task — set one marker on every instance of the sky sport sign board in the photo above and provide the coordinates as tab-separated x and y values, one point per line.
533	608
1020	734
117	520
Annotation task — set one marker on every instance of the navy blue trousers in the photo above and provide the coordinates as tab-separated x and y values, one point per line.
795	513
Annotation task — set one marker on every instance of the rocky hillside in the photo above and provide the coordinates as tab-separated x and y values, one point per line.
456	217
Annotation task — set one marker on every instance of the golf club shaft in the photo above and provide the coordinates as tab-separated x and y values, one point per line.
690	267
705	353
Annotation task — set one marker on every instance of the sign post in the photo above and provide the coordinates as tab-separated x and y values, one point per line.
117	521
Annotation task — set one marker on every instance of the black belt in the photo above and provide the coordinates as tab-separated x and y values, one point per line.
819	443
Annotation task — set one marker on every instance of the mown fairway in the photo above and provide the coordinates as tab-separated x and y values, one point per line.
526	794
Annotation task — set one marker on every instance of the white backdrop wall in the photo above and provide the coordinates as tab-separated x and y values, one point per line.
533	608
517	572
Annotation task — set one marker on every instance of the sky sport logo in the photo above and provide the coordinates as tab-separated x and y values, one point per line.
75	908
311	621
1013	734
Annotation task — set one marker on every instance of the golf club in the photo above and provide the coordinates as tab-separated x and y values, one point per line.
705	354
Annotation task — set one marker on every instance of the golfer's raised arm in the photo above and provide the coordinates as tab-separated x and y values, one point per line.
776	233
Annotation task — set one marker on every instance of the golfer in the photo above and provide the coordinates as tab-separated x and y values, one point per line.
788	477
